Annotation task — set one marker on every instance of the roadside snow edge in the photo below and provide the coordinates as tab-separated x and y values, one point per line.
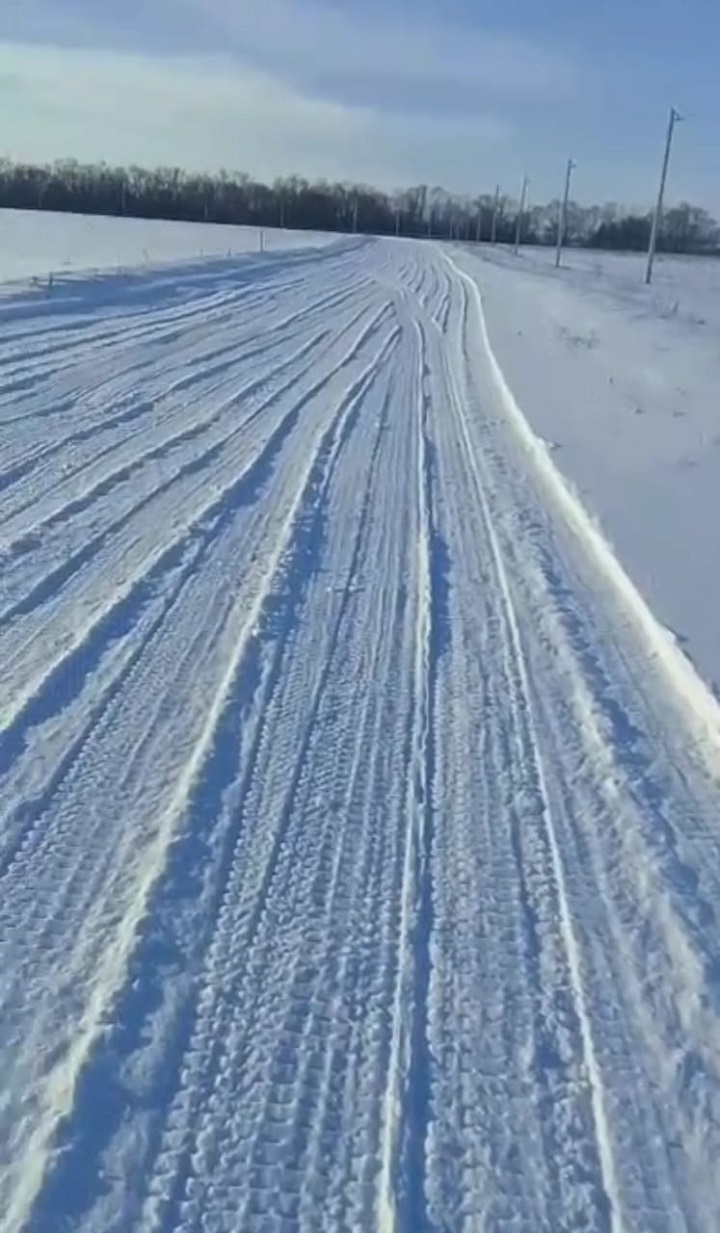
691	690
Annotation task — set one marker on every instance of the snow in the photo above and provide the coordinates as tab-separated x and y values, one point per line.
621	380
36	245
359	856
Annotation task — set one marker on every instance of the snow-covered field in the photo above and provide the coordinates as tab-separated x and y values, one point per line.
359	852
622	380
40	245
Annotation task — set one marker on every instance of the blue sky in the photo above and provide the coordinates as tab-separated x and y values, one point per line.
454	92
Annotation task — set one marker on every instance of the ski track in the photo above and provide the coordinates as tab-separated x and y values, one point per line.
359	855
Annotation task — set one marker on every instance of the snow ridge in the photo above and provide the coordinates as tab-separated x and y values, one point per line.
701	708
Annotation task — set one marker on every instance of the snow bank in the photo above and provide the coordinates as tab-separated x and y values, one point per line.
36	244
621	382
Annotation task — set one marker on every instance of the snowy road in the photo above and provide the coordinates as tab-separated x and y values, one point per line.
360	836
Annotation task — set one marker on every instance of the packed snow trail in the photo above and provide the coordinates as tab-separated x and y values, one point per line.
359	843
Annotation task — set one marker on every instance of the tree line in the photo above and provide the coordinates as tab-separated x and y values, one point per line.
293	202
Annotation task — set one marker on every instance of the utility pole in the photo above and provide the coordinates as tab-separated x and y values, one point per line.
657	216
496	210
518	228
562	221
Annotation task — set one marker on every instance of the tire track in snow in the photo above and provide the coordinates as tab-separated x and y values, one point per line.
148	296
19	820
47	504
408	1035
243	916
47	682
525	720
86	352
636	833
60	1084
203	325
160	447
98	423
226	1051
643	898
359	868
389	931
118	622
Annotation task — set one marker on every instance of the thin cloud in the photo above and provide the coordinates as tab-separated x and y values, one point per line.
435	63
371	60
205	112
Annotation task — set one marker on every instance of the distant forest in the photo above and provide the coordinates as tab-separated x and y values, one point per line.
171	193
